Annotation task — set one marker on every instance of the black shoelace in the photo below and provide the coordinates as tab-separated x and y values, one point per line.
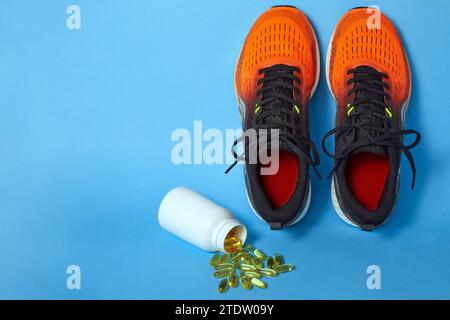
278	109
368	122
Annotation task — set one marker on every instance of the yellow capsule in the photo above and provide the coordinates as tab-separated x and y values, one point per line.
278	259
223	286
247	267
267	272
250	274
259	283
223	273
270	262
284	268
233	281
257	263
248	247
236	263
223	259
246	283
237	256
246	258
224	266
232	245
237	246
215	258
259	254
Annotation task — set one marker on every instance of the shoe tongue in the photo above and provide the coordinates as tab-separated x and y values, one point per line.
363	96
280	108
378	150
282	147
367	118
368	95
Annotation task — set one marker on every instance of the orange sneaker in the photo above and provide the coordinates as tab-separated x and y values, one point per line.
369	76
276	75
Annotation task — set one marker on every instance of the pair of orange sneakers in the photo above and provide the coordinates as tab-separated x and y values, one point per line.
369	76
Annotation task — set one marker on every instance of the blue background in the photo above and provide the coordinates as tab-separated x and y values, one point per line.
85	153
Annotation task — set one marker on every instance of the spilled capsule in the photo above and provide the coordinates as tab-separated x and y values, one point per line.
259	283
223	259
284	268
223	286
224	266
246	258
268	272
222	273
215	258
247	267
250	274
246	283
235	263
257	263
270	262
259	254
278	259
237	256
233	281
252	263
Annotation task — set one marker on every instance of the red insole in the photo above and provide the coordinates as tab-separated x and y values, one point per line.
280	186
366	176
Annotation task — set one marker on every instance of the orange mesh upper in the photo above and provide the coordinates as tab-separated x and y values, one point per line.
281	35
355	44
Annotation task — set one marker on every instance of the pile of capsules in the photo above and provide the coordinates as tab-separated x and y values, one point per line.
245	265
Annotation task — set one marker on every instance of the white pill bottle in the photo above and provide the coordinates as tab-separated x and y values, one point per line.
197	220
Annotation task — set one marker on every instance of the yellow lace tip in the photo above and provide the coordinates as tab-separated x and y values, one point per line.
350	110
389	113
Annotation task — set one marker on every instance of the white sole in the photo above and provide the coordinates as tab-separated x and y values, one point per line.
302	214
336	205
